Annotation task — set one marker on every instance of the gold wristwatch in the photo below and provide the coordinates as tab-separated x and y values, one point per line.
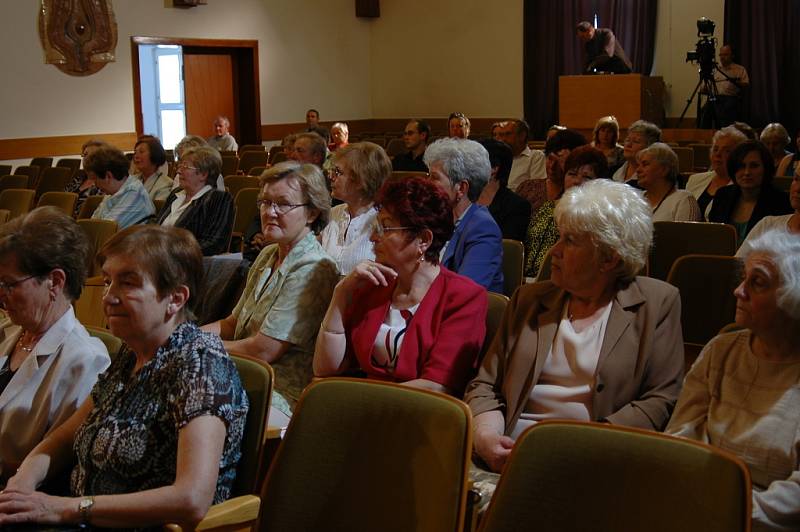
85	509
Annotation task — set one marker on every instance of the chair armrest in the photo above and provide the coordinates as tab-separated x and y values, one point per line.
237	511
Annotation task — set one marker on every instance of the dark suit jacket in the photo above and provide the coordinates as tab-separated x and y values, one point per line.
476	249
771	202
639	372
209	219
512	213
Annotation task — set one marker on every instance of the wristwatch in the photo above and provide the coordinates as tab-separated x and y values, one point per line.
85	509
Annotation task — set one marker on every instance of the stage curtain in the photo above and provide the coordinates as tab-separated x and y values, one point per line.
551	48
763	36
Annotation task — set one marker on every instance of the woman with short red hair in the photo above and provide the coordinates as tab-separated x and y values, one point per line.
403	317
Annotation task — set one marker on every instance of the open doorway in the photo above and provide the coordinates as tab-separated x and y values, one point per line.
181	85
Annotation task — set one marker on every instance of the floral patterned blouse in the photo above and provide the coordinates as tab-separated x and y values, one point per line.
542	235
129	441
288	303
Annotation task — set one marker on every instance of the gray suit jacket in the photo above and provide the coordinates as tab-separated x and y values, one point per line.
639	372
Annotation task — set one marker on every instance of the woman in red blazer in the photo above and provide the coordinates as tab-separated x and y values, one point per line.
404	318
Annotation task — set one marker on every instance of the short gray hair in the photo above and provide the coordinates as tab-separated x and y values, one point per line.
649	130
776	130
462	160
342	126
664	155
206	159
783	249
189	141
729	131
616	217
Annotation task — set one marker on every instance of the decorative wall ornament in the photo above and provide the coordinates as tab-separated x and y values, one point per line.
78	36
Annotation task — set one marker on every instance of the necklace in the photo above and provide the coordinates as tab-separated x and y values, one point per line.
27	348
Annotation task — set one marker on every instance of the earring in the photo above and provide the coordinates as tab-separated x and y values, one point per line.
421	257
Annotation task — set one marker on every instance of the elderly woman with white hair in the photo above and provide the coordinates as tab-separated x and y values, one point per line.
742	393
775	137
704	186
594	343
658	177
641	134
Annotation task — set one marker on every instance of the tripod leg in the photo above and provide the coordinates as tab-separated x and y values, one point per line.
689	102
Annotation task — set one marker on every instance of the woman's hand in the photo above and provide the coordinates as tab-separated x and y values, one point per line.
494	448
371	272
36	507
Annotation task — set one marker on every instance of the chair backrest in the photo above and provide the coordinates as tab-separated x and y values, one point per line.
63	200
4	215
246	208
98	232
278	157
5	169
367	455
574	476
249	159
89	307
229	164
17	200
256	171
675	239
31	171
235	183
685	158
112	343
89	206
252	147
73	164
13	181
706	284
494	315
395	147
513	265
42	162
272	151
257	380
53	179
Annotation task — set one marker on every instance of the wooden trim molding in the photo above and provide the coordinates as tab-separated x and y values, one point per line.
64	145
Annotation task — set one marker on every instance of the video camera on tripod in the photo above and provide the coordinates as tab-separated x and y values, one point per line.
705	50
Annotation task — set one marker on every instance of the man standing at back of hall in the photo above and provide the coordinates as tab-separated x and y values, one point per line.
603	52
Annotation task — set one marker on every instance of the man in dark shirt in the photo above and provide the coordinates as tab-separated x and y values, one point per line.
415	137
603	52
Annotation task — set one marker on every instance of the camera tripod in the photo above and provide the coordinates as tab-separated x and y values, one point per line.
706	114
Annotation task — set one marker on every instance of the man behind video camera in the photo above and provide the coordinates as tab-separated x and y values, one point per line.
730	78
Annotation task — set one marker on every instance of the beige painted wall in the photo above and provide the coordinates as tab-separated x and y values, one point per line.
309	56
433	57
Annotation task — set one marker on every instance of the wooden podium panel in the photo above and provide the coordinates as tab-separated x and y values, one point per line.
629	97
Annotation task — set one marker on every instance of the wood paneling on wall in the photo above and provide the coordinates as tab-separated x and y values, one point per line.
65	145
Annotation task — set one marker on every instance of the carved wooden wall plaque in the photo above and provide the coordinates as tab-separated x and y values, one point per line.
78	36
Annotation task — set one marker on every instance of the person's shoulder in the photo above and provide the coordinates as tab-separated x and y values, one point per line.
527	294
460	283
482	221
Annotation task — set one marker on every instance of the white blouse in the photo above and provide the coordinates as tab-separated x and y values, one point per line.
347	240
179	205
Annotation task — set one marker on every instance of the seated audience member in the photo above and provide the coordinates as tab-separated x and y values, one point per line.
657	168
510	211
197	206
528	163
552	130
556	150
775	137
81	184
222	140
495	131
288	144
289	285
149	164
641	134
313	125
582	164
742	392
752	196
458	126
194	141
596	342
704	186
405	318
126	200
605	137
309	148
359	170
788	222
746	129
159	437
461	167
340	136
48	362
416	136
789	164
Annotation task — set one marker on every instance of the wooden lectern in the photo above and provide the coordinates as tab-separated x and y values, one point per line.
629	97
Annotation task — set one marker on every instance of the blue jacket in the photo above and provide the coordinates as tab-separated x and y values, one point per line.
476	249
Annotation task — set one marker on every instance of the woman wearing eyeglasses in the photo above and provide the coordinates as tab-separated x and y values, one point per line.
198	206
48	362
358	172
403	317
289	285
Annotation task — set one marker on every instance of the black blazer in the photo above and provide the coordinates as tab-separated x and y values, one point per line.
209	219
512	213
771	202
